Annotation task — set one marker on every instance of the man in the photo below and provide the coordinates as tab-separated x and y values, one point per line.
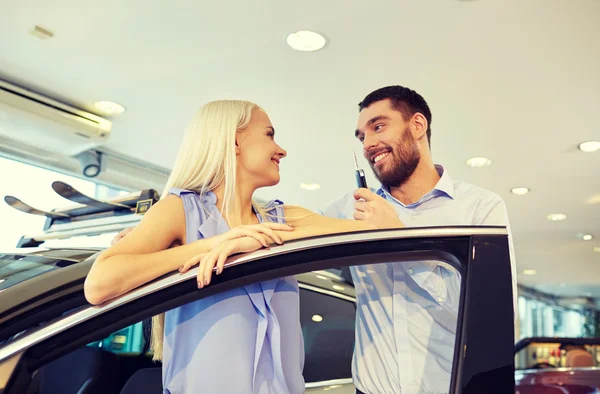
407	313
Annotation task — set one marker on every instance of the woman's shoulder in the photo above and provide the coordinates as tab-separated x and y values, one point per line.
179	192
170	207
192	195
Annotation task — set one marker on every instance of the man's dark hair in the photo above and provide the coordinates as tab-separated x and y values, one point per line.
404	100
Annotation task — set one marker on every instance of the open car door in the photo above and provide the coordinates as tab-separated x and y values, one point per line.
483	360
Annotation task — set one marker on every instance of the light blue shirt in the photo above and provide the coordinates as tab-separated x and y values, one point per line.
407	312
246	340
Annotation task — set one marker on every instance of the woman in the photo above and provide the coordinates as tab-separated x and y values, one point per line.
246	340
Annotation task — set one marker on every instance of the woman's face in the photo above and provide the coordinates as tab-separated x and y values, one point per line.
258	155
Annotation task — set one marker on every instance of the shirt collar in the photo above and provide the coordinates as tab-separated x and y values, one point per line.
445	185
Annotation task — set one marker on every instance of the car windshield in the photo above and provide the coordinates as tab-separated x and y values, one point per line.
16	268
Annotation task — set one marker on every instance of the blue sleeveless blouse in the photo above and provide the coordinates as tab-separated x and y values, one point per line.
247	340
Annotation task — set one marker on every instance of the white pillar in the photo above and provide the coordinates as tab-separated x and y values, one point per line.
548	322
573	324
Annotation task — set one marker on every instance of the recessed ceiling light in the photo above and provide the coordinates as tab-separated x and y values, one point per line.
588	237
478	162
306	41
556	217
310	186
317	318
529	272
339	288
589	146
109	108
520	191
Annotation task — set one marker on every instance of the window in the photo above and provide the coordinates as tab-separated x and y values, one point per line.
328	330
17	268
103	366
542	319
327	318
32	185
130	340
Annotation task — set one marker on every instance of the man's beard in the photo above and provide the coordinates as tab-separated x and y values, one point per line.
405	158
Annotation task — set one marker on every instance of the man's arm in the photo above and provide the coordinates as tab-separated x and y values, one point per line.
308	224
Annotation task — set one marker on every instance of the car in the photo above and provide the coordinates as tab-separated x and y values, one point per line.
558	365
53	341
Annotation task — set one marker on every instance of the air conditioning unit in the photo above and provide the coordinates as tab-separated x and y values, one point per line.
33	120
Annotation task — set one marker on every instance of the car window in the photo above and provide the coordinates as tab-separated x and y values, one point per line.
328	330
129	340
17	268
103	366
327	327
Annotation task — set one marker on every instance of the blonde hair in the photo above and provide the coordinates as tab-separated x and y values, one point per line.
207	159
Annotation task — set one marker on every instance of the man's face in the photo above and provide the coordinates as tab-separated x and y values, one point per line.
388	143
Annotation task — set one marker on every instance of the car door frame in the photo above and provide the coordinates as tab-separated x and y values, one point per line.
480	254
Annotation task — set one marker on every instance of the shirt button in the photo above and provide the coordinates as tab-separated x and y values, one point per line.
411	270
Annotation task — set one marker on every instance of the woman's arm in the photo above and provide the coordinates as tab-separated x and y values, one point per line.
144	254
152	249
308	224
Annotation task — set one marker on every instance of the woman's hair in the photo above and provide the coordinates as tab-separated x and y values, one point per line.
207	159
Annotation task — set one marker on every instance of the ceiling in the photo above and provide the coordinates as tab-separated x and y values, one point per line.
516	81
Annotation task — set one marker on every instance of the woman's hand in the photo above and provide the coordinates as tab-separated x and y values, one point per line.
264	233
218	256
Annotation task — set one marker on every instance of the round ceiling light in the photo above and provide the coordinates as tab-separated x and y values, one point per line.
317	318
310	186
520	191
109	108
589	146
556	217
478	162
306	41
588	237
